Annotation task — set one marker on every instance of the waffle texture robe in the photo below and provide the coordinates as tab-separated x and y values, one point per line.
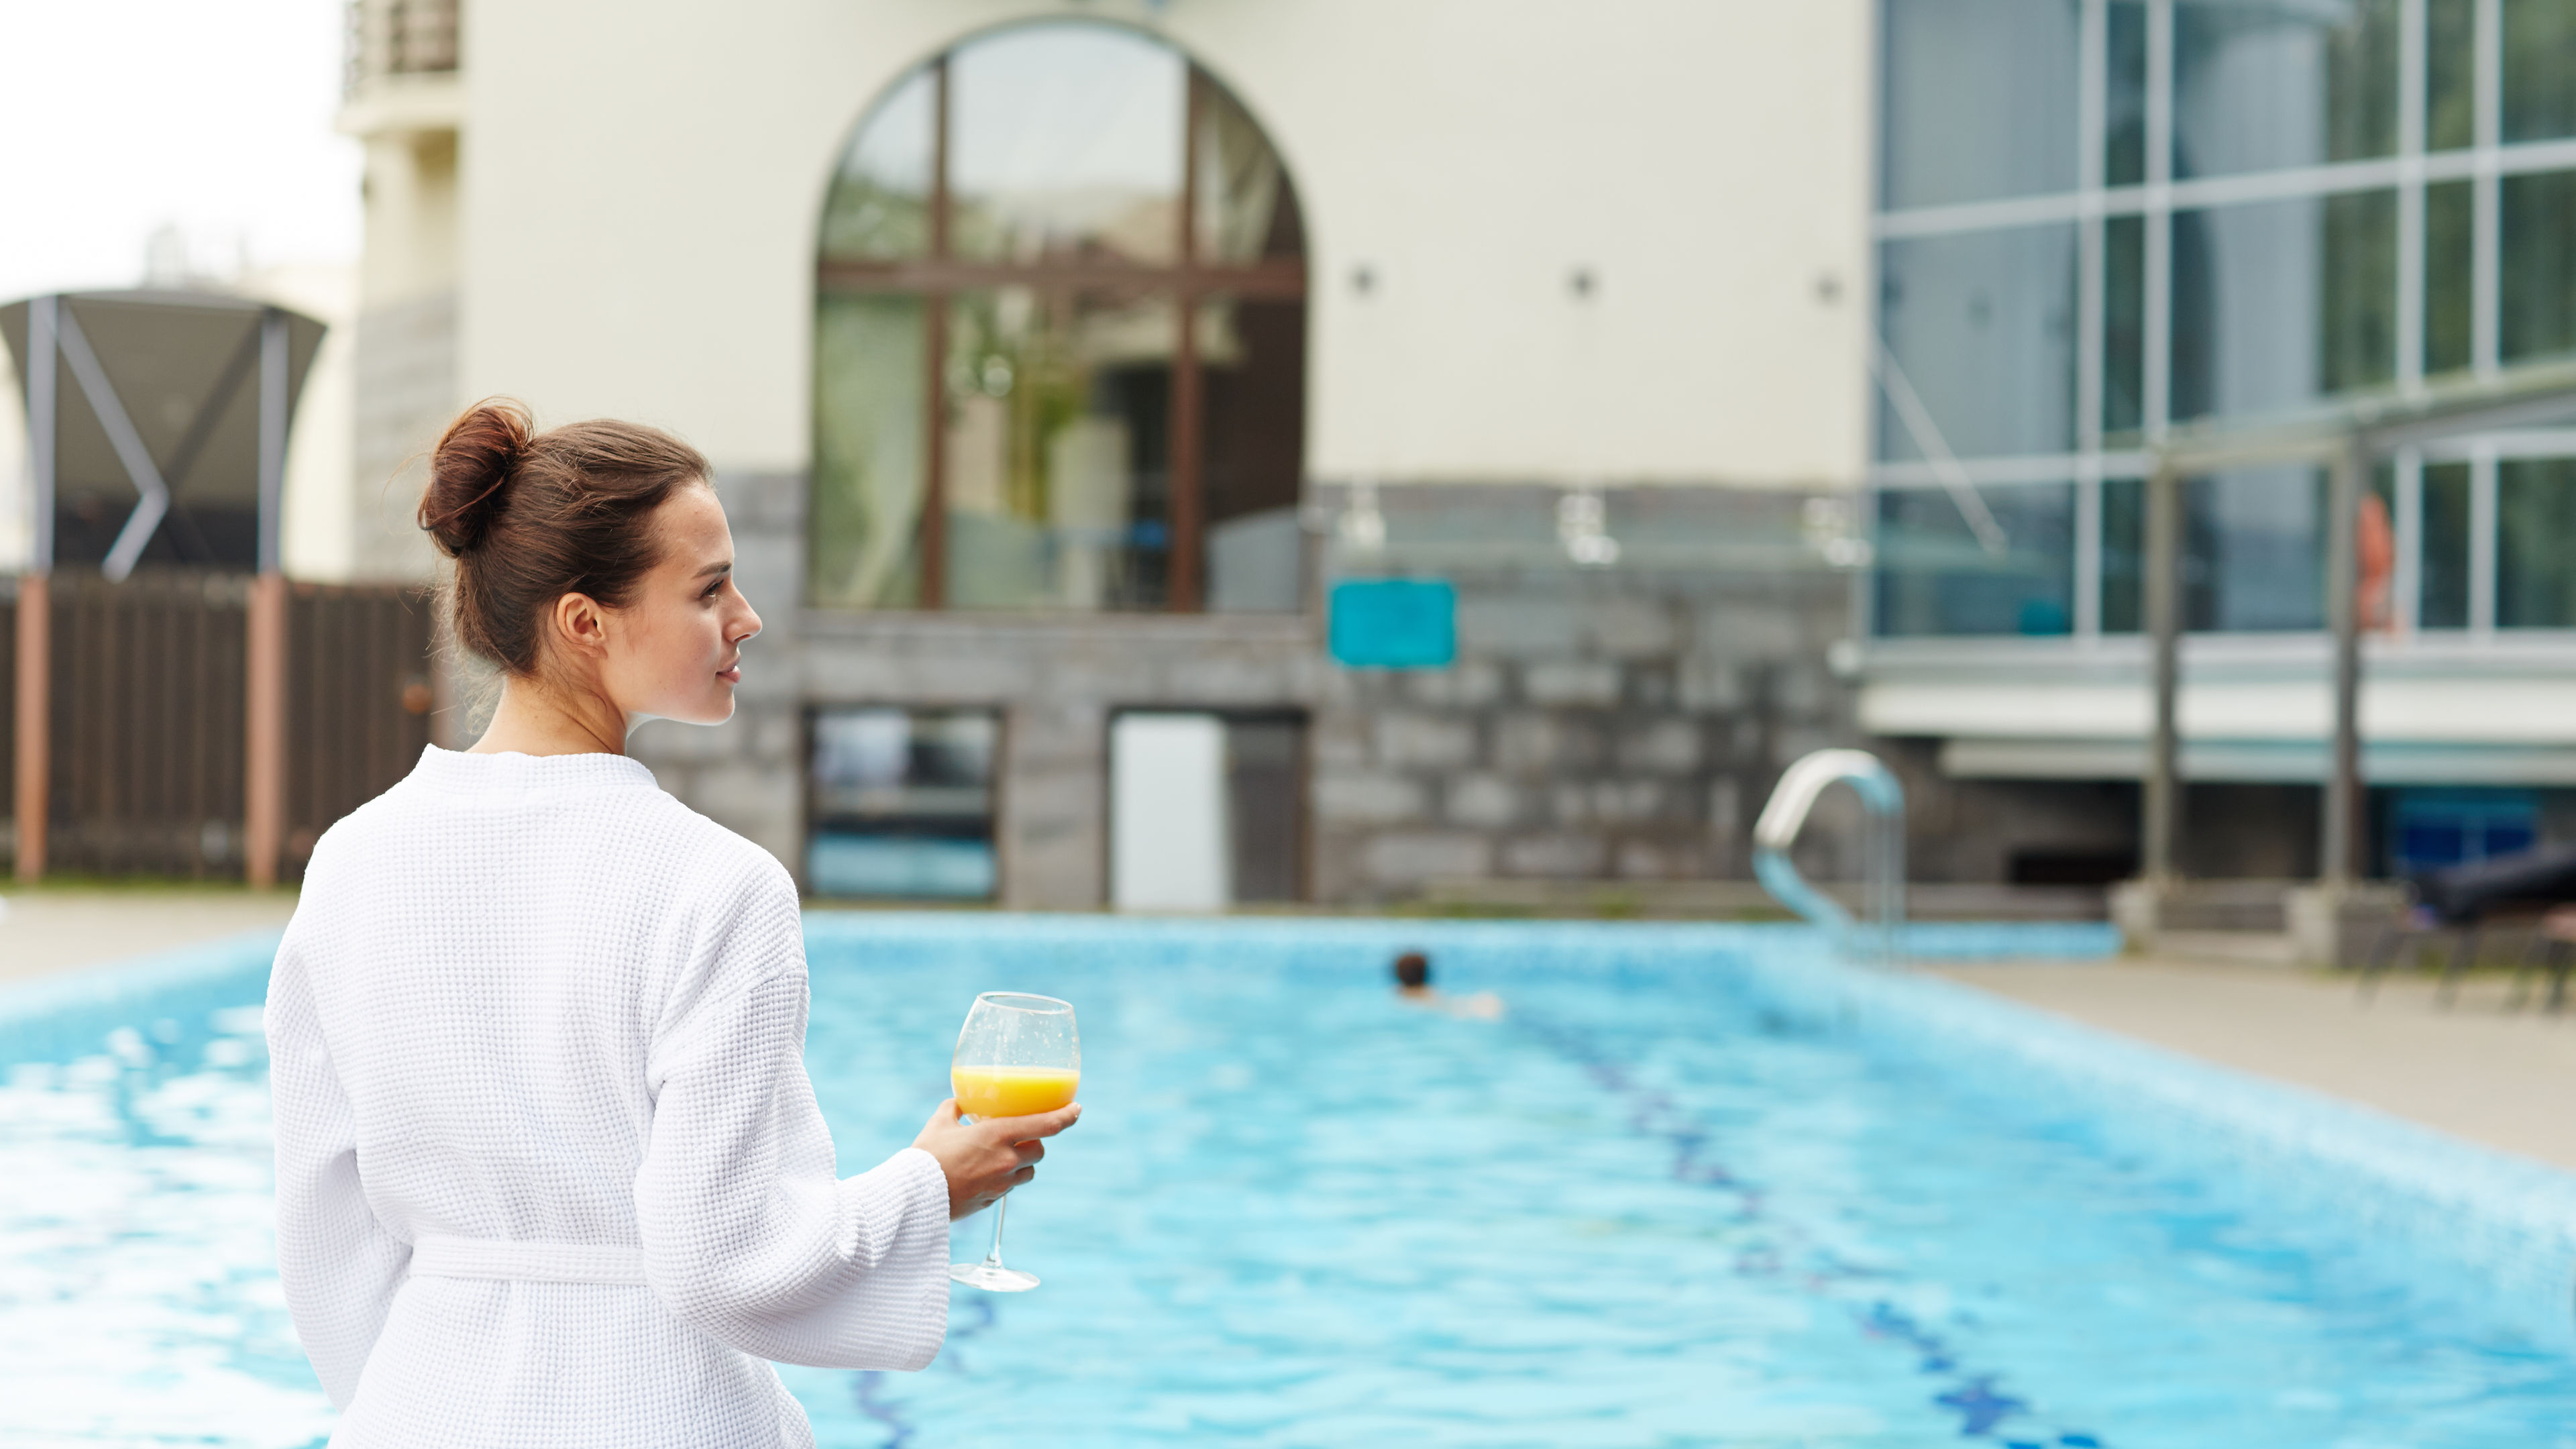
549	1170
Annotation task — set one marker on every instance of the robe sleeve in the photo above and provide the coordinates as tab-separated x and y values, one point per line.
748	1232
339	1266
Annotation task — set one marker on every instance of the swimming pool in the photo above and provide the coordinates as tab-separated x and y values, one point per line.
1702	1186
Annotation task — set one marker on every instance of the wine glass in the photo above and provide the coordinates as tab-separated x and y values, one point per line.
1016	1055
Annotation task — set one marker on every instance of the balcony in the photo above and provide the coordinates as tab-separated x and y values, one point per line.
400	73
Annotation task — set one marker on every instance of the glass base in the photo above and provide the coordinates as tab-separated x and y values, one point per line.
992	1277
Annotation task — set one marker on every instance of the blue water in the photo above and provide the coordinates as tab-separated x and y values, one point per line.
1641	1210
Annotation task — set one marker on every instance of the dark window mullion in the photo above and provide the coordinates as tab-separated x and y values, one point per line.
1188	397
934	357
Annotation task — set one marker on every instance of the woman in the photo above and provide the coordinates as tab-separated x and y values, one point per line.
549	1170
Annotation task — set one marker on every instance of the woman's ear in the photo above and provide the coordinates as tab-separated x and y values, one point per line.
581	626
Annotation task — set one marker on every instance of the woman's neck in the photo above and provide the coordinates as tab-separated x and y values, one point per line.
535	719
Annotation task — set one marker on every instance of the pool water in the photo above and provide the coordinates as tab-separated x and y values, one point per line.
1640	1210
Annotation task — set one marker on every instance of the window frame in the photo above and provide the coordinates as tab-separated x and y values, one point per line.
1190	281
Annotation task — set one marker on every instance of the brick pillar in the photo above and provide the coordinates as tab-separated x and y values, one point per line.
35	717
264	771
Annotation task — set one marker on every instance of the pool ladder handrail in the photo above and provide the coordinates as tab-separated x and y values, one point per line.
1883	894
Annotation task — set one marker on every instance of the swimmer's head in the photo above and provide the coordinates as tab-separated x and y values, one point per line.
1413	970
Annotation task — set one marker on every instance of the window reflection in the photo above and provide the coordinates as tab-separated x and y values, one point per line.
2450	267
2254	550
2124	156
1984	327
2280	302
2442	587
1934	577
1247	211
2539	266
2536	544
869	472
1058	421
2450	74
1000	391
1979	99
2124	549
2259	85
1067	143
902	803
1252	357
879	204
2539	100
2124	324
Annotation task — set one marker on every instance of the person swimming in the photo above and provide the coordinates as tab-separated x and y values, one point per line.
1413	987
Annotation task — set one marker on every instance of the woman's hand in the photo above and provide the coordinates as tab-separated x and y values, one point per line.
986	1159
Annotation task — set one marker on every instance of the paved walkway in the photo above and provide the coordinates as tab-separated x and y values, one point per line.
56	929
2474	1069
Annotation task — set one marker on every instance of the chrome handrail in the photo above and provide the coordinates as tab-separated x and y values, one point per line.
1884	864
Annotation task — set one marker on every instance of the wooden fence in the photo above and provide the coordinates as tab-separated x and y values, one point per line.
208	724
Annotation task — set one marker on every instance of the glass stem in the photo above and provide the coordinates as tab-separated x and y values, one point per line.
993	1259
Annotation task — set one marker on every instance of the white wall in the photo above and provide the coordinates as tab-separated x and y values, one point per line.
640	201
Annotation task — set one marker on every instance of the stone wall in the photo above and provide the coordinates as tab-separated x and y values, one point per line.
1610	724
1597	726
405	391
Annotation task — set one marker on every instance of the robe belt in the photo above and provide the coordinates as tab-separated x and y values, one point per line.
535	1262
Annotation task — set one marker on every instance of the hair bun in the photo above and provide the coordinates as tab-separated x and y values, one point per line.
469	473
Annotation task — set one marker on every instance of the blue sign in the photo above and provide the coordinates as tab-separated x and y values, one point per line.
1394	624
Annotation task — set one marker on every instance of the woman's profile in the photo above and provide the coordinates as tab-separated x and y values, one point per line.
549	1169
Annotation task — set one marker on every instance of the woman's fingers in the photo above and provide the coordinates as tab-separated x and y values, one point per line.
1029	1151
1036	1124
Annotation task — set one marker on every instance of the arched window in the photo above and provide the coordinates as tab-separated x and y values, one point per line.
1060	331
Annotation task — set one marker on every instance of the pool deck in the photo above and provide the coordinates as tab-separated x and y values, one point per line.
2474	1069
49	930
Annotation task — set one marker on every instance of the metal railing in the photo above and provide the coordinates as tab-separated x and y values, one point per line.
398	37
1883	800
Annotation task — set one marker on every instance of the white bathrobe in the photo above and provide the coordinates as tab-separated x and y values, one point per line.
549	1170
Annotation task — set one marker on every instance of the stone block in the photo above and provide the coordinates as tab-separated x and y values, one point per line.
1516	628
1426	740
1571	682
1558	855
1619	802
1628	628
1738	629
1538	743
1412	857
1470	684
1339	738
1658	860
1664	747
1707	686
1481	800
1369	799
1726	809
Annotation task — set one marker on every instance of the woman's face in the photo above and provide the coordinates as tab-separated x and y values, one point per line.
675	650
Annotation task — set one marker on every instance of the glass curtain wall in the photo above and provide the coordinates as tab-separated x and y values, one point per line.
2101	218
1059	339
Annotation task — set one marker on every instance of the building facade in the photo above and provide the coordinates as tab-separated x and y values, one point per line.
1748	378
2098	221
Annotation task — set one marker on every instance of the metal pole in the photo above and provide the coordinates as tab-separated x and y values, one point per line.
2340	828
33	766
273	412
2160	805
264	702
41	424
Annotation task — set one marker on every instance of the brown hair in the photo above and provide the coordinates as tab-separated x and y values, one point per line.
530	517
1412	969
